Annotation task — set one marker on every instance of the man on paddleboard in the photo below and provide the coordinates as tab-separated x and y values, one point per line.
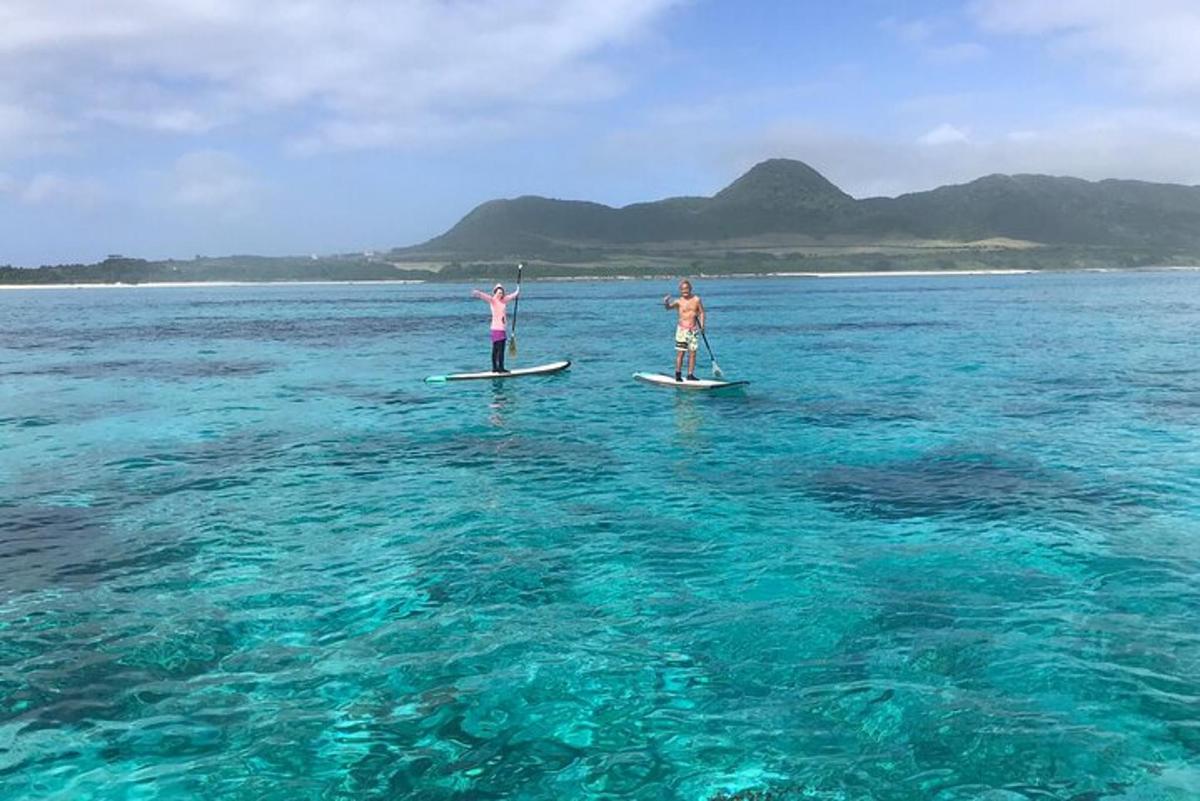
499	301
687	331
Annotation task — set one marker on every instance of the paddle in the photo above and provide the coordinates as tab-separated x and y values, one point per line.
716	368
512	343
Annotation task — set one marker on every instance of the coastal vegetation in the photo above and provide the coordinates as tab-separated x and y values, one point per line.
781	216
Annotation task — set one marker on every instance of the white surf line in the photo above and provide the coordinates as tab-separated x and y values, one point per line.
187	284
899	274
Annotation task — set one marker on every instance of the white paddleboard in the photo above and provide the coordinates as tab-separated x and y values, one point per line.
541	369
660	380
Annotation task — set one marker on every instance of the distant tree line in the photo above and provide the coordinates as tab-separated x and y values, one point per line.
124	270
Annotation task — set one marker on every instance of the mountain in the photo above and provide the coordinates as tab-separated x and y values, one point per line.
782	197
1053	210
783	185
780	216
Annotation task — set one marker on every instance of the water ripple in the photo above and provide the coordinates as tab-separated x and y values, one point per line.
943	547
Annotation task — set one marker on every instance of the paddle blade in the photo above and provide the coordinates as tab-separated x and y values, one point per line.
717	371
512	346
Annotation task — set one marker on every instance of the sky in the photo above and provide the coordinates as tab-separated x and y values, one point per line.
175	128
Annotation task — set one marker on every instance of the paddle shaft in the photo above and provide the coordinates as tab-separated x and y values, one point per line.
512	343
716	367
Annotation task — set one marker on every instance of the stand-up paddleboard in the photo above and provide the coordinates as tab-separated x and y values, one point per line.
660	380
541	369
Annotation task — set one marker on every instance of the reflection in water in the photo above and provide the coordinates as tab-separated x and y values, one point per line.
501	403
688	422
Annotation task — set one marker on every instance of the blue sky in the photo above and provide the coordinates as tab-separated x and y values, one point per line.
169	129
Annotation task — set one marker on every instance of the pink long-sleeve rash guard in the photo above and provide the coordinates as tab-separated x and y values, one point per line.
499	320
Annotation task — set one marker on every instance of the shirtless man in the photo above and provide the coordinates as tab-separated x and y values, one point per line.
687	332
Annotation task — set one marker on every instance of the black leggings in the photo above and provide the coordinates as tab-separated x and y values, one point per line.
498	356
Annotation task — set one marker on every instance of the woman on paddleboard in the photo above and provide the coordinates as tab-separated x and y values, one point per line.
499	302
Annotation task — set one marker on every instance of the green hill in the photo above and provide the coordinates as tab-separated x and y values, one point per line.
780	216
781	198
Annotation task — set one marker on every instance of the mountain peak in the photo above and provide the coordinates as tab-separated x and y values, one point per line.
787	197
781	184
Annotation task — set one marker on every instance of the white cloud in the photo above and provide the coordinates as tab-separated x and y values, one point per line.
212	180
432	130
366	74
24	129
957	53
1141	143
1153	44
923	35
149	107
944	134
52	188
1135	144
914	32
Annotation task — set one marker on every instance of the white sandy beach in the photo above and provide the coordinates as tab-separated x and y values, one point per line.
186	284
671	276
898	273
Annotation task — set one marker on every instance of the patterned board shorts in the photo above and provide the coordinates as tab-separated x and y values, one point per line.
686	339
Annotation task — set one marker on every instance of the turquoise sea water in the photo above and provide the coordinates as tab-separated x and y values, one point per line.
946	545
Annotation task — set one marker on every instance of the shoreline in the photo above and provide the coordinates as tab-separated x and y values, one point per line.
899	273
187	284
564	278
